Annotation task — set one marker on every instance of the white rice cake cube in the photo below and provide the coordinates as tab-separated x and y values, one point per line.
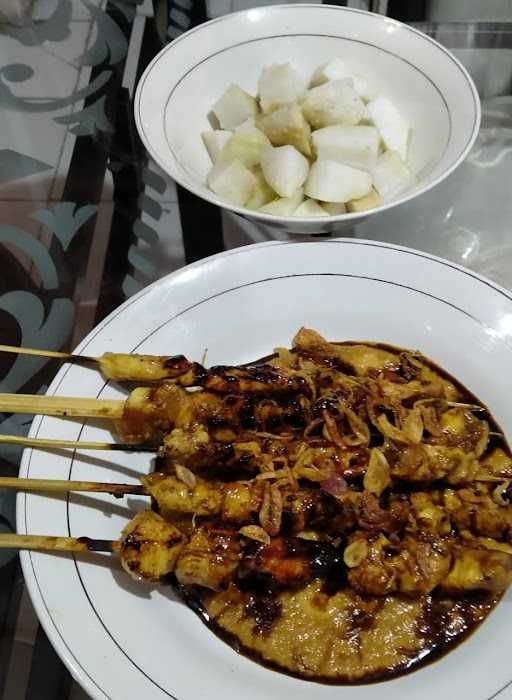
279	84
390	123
333	103
234	107
232	181
357	146
330	181
391	176
285	169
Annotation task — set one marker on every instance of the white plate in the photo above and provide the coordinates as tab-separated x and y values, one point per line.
124	641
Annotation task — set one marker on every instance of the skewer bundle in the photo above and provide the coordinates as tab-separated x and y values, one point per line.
349	463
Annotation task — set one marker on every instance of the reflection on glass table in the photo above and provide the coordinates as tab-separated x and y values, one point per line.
467	217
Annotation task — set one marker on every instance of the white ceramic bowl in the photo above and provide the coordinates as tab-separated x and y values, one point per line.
431	88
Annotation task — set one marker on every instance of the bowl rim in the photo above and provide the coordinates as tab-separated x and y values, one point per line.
287	221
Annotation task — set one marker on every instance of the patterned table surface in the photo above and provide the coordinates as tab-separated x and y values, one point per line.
86	219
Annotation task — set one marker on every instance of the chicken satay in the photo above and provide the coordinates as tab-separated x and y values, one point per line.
150	547
151	412
149	368
440	512
145	416
119	366
368	360
416	567
300	507
291	561
478	570
389	464
213	556
223	450
210	558
427	463
476	511
233	502
255	379
259	379
241	502
455	426
206	449
353	358
479	509
194	447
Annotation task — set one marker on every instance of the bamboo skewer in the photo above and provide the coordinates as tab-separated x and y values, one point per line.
61	406
96	408
73	444
122	366
45	543
69	357
64	486
43	443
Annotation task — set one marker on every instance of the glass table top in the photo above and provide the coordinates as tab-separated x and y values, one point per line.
87	219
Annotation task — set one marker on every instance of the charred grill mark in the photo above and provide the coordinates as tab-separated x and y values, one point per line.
247	418
258	379
292	561
361	620
265	610
362	615
119	490
287	521
95	545
296	413
222	372
327	403
407	370
185	373
331	362
179	363
130	448
176	361
134	542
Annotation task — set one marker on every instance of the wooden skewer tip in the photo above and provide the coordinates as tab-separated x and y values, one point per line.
46	543
61	406
44	443
63	486
69	357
